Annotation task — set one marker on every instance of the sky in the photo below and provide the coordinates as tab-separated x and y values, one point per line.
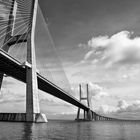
98	42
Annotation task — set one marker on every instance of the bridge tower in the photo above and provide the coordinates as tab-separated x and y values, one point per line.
87	114
9	32
32	100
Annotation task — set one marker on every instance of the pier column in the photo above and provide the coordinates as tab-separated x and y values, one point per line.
89	115
32	100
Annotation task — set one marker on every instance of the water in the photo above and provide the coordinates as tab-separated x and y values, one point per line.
70	130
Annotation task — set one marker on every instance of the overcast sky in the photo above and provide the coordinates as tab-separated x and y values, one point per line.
98	42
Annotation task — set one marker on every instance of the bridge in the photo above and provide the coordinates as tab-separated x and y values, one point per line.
27	73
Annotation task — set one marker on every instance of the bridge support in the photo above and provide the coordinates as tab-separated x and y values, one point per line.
32	100
88	115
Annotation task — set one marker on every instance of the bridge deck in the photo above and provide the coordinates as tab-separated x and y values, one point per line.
15	69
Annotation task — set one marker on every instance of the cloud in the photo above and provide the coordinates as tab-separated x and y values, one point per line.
8	97
88	55
97	91
120	48
105	109
122	104
3	12
51	100
122	107
6	83
67	112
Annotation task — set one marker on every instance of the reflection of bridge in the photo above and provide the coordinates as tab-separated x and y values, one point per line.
27	73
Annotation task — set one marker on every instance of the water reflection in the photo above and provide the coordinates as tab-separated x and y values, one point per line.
84	130
35	131
71	130
27	132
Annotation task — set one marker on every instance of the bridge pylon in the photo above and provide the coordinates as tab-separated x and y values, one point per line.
10	39
33	113
8	33
87	115
32	100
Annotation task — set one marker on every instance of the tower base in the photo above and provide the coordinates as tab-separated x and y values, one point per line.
89	115
40	118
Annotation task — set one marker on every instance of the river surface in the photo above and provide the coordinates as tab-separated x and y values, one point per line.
70	130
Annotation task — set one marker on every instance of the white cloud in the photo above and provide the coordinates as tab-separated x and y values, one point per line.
97	91
7	97
122	106
104	109
3	12
96	42
117	49
68	112
88	55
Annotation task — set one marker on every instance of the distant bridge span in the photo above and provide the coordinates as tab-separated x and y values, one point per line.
15	69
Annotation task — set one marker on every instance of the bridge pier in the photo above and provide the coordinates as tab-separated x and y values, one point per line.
87	114
32	100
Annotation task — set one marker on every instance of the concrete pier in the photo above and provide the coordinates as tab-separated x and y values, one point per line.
87	115
32	100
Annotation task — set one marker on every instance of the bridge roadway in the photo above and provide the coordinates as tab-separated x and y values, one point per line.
15	69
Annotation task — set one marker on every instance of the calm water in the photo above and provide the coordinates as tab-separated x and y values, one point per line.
70	130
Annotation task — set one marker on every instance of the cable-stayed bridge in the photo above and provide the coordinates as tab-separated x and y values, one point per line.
20	29
14	68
